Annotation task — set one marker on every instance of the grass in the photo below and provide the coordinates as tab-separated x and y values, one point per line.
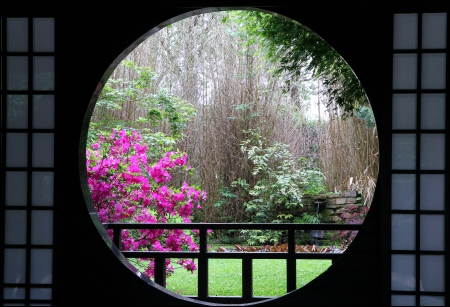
225	277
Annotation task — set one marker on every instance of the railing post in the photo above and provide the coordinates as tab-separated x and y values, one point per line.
160	271
203	266
247	278
117	238
291	265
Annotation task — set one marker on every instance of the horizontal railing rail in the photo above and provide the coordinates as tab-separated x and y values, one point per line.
202	255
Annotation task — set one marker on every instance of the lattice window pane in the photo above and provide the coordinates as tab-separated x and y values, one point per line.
43	149
14	266
42	227
43	111
17	73
403	300
16	149
403	232
404	111
15	227
433	71
403	192
433	111
16	189
432	272
405	31
432	232
403	272
40	294
405	72
17	34
404	151
42	188
41	266
14	293
43	34
434	30
428	300
432	151
17	111
44	73
432	195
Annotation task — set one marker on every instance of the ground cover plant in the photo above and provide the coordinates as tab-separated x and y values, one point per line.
225	278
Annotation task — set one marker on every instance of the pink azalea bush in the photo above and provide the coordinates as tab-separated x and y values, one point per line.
125	187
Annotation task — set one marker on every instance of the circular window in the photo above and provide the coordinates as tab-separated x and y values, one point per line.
237	116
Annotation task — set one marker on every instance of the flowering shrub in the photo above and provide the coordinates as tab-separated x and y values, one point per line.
353	214
125	187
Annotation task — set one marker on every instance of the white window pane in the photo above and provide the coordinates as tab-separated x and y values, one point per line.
433	111
14	266
403	300
41	266
44	34
403	272
42	189
403	192
41	293
43	111
404	151
14	293
16	149
432	151
16	189
433	71
403	232
17	73
428	300
15	227
42	227
434	30
404	111
432	270
405	71
17	111
17	34
432	192
432	232
405	31
43	144
44	73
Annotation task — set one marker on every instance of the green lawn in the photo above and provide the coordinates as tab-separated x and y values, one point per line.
225	277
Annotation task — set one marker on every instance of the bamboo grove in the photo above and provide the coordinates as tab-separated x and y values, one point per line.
206	60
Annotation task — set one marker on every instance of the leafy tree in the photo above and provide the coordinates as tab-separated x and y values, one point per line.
136	104
300	52
281	181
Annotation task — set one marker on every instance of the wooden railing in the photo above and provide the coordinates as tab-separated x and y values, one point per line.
203	255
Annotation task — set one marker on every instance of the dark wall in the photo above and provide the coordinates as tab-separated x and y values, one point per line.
90	38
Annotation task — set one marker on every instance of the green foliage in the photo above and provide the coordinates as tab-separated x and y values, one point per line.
308	219
278	179
225	194
159	108
301	53
280	182
313	181
256	237
365	114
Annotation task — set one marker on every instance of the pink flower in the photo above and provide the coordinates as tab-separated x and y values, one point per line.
122	192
